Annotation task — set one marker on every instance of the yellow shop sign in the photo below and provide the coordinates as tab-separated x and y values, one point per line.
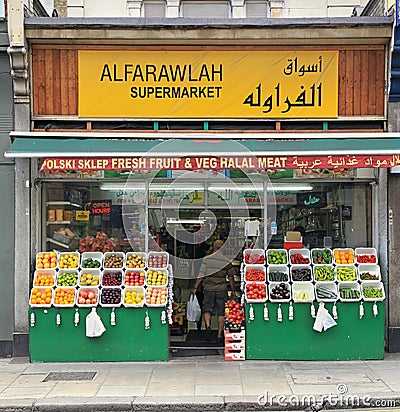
208	84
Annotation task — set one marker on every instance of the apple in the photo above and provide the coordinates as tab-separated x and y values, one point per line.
83	294
91	295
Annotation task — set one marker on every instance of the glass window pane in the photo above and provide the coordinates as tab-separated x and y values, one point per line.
205	9
154	9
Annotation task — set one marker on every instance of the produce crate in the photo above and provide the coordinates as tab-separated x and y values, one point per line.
46	257
151	263
258	285
252	270
45	292
372	269
60	276
296	270
298	288
324	273
271	287
50	273
330	287
108	255
113	289
138	290
375	285
282	252
367	253
235	336
233	354
96	274
254	256
128	272
326	255
64	255
110	276
98	256
142	255
163	271
87	289
351	286
271	269
235	345
149	291
341	273
64	289
343	252
305	254
60	237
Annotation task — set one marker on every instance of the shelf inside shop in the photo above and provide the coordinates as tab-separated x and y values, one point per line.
62	203
48	239
65	222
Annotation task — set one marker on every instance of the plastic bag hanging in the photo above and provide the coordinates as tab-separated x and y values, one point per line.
193	309
76	317
266	313
163	317
361	310
94	325
291	311
312	310
279	314
33	318
58	318
375	309
113	319
334	311
251	312
147	321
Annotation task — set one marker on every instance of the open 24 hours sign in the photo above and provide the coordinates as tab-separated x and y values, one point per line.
208	84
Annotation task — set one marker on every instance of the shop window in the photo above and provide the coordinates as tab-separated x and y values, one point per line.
257	9
152	8
205	9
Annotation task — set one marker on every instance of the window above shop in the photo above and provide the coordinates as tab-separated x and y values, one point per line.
205	9
257	9
154	8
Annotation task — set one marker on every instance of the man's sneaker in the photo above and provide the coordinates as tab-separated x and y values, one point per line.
208	334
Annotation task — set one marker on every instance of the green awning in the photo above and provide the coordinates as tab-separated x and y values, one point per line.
38	145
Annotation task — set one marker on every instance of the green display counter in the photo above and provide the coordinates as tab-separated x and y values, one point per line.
128	340
351	338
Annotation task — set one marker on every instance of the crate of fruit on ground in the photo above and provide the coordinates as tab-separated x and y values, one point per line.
346	273
134	297
373	291
321	256
300	273
326	291
277	257
254	273
91	260
136	260
324	273
256	292
278	273
254	256
158	260
366	255
299	256
349	292
343	256
303	292
279	292
369	272
156	296
87	297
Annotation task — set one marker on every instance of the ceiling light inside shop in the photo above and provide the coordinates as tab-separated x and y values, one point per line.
188	221
275	187
121	186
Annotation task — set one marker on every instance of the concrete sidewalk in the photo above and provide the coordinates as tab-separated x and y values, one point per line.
206	384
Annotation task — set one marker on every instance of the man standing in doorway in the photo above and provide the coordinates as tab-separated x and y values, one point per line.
213	272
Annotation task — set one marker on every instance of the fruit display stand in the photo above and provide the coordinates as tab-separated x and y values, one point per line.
281	326
136	313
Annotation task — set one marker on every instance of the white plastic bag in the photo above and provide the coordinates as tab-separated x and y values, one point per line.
193	310
94	325
324	320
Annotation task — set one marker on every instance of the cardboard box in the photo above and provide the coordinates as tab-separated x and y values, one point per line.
235	345
235	336
293	236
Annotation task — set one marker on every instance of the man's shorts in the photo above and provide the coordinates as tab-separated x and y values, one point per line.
214	302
